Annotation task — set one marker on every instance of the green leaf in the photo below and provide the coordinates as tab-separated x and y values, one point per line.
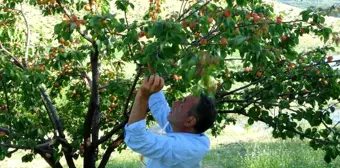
158	29
57	28
290	134
239	40
305	14
27	158
132	5
284	104
122	4
241	2
327	158
230	2
2	118
254	112
316	18
250	121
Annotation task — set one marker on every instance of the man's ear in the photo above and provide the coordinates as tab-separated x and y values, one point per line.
190	122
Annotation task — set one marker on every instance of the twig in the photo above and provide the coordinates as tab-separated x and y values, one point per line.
180	17
16	61
336	124
28	36
234	59
13	151
180	10
335	133
126	20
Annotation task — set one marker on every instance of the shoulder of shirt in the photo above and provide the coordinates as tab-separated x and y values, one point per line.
187	141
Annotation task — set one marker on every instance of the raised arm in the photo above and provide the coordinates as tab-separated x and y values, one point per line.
136	137
150	86
160	109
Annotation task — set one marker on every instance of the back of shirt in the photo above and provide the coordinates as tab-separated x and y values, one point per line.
188	150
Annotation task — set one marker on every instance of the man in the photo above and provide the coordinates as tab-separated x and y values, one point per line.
185	143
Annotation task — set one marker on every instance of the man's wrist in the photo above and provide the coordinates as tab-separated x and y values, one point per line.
143	94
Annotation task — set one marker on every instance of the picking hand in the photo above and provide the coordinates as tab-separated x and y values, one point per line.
151	85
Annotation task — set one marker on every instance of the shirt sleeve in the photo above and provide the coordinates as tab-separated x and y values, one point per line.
160	109
150	145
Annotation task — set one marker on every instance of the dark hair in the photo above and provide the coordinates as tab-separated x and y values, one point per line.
204	112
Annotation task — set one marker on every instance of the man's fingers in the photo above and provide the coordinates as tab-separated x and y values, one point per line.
161	84
156	83
151	80
146	80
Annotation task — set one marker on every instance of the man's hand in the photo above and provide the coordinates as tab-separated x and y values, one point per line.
151	85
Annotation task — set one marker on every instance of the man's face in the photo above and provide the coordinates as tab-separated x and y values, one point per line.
180	110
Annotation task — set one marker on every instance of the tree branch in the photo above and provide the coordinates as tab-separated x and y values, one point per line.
51	118
330	129
5	130
53	111
87	79
59	127
139	73
111	133
234	59
223	93
13	151
49	159
48	143
231	101
126	106
237	111
110	149
91	123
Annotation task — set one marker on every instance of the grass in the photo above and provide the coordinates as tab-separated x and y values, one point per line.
239	146
283	154
241	150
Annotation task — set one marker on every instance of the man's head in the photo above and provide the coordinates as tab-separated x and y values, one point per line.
192	114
